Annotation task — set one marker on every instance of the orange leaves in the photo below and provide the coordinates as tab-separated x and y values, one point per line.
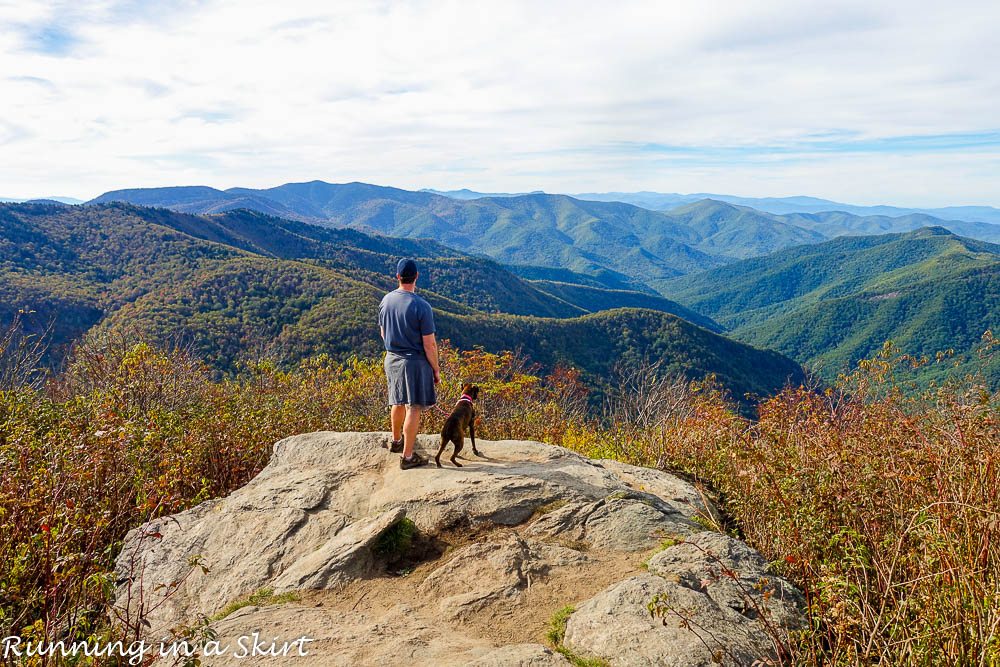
877	502
881	503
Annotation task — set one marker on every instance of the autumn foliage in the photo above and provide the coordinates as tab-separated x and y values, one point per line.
879	501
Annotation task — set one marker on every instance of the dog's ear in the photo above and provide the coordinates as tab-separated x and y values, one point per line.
467	388
473	391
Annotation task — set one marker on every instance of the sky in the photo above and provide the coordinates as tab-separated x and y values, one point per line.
860	102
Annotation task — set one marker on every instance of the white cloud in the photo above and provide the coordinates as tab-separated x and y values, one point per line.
767	98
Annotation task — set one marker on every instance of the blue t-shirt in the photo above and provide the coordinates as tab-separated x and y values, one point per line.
405	318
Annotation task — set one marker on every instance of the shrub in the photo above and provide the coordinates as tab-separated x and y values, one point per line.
129	432
396	541
880	501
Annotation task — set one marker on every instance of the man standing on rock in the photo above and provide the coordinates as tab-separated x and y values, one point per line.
411	360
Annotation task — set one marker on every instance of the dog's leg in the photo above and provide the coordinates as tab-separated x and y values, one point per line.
458	447
437	459
472	434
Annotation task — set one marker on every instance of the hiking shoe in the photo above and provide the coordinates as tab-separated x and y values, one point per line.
415	462
396	447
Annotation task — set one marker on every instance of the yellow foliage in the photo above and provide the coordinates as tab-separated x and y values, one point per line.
882	504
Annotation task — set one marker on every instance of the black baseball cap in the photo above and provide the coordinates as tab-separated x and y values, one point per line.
407	268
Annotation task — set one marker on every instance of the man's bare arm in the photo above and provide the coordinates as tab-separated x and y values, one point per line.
431	350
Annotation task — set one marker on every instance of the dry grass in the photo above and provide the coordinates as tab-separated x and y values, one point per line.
881	503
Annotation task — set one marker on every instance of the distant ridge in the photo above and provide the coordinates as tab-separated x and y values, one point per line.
465	193
662	201
59	200
628	243
536	229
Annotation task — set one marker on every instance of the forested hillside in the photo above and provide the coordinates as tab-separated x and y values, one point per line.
545	230
827	303
598	298
833	303
597	238
234	285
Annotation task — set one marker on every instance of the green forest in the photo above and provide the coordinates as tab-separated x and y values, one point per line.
831	304
241	284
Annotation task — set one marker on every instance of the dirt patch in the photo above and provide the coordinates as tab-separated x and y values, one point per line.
519	619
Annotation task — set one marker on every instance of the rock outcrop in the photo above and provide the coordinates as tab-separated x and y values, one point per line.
501	545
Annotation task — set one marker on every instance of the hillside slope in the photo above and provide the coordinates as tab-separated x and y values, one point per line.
664	201
234	284
838	223
301	310
557	231
739	232
835	302
134	243
595	299
545	230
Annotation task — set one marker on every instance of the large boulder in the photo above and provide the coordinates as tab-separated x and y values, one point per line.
708	600
502	543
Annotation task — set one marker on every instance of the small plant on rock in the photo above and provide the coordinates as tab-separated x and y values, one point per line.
557	633
394	543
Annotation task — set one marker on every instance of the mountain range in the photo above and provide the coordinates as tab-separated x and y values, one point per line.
57	200
824	288
233	283
618	244
833	303
659	201
665	201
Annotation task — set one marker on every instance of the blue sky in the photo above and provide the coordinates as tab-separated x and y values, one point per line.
895	103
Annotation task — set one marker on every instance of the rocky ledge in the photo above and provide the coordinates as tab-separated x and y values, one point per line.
457	566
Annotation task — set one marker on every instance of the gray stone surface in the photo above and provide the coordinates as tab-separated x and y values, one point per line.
623	521
348	555
717	605
532	527
478	575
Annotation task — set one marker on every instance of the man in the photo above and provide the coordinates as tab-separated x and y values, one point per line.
411	360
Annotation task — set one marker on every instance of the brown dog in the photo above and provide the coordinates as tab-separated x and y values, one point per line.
461	421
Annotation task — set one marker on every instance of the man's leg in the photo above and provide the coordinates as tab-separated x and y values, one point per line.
396	416
410	427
